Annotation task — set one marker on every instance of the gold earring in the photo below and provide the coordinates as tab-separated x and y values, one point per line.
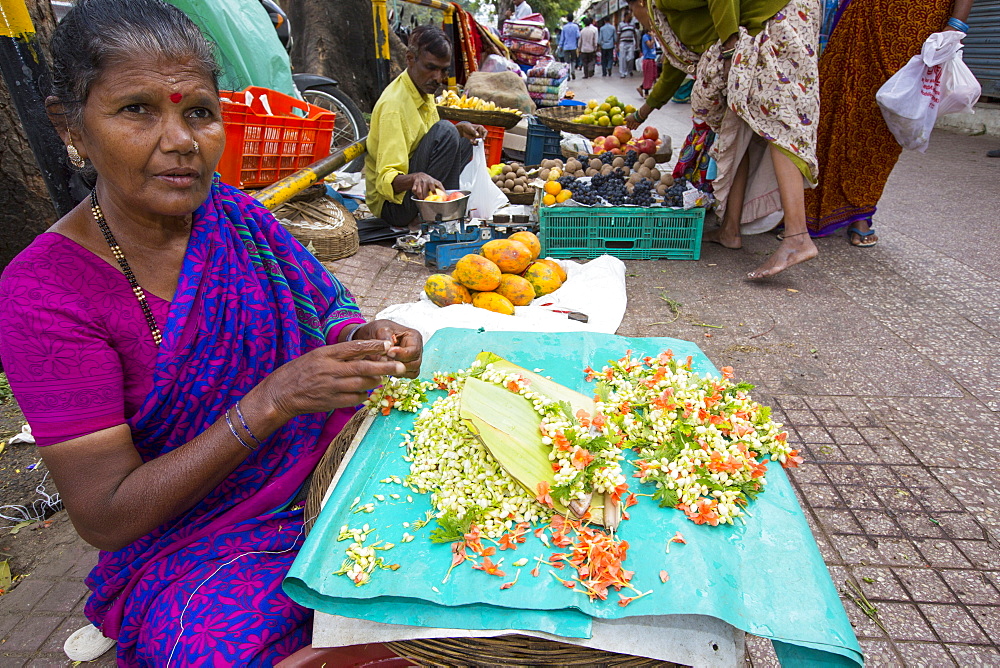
74	156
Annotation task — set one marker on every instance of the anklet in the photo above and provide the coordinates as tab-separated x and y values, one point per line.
789	236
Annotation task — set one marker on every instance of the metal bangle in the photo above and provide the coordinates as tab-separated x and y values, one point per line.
728	53
239	414
350	337
239	438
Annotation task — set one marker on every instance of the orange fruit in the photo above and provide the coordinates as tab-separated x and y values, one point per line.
563	196
548	200
553	187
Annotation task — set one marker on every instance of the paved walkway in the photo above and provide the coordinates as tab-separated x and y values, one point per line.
883	362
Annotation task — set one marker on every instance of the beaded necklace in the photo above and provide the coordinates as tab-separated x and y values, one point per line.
116	250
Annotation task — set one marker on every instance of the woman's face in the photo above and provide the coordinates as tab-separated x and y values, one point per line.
139	125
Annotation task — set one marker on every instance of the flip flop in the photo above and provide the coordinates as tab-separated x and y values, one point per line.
864	242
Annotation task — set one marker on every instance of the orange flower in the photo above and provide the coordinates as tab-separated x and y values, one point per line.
584	418
792	460
561	442
666	356
600	421
678	538
727	372
581	458
591	374
625	408
489	567
544	495
391	401
664	576
704	513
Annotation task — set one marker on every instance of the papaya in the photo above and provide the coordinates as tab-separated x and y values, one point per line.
477	273
443	290
493	301
542	277
512	257
558	267
530	240
517	289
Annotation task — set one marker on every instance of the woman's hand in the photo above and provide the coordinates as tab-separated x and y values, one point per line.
406	344
632	122
326	378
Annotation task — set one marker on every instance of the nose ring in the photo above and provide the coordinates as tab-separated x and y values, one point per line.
194	146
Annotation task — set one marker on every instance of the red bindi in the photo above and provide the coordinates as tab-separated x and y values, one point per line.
175	97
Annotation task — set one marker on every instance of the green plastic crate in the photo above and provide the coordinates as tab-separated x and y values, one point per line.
629	233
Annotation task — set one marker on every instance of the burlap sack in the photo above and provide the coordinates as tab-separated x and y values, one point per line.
505	88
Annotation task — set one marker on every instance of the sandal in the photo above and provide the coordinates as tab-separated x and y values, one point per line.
864	241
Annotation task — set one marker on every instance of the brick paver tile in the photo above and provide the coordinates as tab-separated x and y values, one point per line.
942	553
925	585
975	655
50	662
980	553
31	633
924	654
988	617
25	595
84	564
878	583
903	621
879	653
760	653
878	523
62	597
66	628
865	551
7	622
920	525
972	587
953	624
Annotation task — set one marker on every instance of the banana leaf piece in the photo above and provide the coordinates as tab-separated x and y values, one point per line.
508	427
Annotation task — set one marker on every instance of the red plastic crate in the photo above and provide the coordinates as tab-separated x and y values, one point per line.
493	144
263	148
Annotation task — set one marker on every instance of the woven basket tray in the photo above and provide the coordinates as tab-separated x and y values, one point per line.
521	198
322	225
513	650
561	118
501	119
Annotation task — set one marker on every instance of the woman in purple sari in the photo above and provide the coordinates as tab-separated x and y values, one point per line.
181	358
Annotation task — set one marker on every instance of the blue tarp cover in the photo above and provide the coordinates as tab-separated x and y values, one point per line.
766	577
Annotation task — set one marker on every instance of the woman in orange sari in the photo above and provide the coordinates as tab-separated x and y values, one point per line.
870	41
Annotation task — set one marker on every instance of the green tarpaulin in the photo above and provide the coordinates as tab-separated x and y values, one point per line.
766	577
247	46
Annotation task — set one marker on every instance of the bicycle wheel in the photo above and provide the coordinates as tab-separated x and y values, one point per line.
350	125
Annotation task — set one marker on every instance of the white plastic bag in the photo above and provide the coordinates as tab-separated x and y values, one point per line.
485	197
937	81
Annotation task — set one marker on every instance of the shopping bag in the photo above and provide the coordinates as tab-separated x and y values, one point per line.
484	197
934	82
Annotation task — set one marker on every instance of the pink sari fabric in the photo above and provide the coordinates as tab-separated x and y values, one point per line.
249	299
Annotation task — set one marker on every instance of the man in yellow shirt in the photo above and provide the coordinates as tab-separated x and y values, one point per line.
411	151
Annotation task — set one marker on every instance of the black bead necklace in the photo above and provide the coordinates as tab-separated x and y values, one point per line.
116	250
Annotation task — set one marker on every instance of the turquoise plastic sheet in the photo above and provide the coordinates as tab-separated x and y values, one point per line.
766	577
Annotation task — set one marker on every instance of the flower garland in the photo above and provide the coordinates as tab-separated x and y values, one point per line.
699	439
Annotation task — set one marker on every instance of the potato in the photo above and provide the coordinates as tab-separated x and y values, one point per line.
543	173
591	171
578	174
667	180
509	183
506	169
643	172
654	174
574	165
661	189
607	169
545	164
649	162
518	188
618	162
634	178
595	163
520	171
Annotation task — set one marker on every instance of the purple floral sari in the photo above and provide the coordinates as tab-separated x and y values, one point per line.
205	588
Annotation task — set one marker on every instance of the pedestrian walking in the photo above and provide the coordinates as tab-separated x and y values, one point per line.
867	43
569	39
588	46
627	38
607	36
649	69
763	110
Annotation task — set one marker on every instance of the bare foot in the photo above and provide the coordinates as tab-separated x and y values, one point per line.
793	250
716	236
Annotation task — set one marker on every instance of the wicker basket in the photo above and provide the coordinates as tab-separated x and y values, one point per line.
522	198
327	467
561	118
500	119
513	650
327	229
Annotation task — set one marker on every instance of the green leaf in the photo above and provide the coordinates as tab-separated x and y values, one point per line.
5	578
668	498
451	528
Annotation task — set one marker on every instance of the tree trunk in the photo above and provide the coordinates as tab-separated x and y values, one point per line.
504	7
335	38
25	207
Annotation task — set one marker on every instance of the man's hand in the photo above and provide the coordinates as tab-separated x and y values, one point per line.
470	131
423	185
